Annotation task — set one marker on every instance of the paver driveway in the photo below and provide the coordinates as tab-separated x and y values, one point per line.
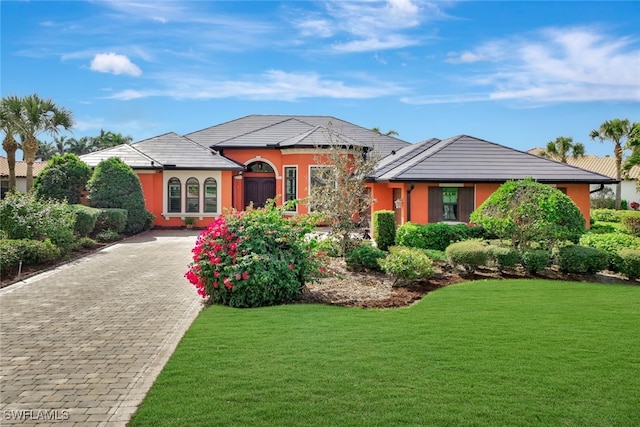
82	344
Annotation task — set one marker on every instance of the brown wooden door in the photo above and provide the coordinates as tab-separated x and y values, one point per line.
259	190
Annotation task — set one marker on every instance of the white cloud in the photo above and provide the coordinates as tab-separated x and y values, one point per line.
271	85
577	64
115	64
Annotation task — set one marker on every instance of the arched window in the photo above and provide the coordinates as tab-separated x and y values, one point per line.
193	195
173	191
210	195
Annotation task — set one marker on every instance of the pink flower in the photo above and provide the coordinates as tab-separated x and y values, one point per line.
290	266
245	275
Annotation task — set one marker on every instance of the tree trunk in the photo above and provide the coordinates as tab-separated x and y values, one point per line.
618	155
30	148
11	146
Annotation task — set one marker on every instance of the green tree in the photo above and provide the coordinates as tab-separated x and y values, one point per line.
619	131
562	147
115	185
63	178
79	146
527	211
108	139
38	115
10	107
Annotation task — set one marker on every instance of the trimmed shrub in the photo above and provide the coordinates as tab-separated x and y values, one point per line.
84	243
612	243
469	254
435	255
630	265
467	232
411	235
364	258
632	223
406	265
115	185
31	252
534	260
384	229
605	215
25	216
438	236
527	211
113	219
601	228
504	257
581	259
253	258
86	218
108	236
63	178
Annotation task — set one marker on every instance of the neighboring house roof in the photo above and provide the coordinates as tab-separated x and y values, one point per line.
278	131
468	159
165	151
21	168
602	165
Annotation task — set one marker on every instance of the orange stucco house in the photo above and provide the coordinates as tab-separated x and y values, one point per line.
259	157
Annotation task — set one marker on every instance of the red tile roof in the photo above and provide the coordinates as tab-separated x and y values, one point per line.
21	168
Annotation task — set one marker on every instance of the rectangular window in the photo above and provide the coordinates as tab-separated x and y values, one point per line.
4	188
193	194
319	178
174	197
210	196
290	183
450	204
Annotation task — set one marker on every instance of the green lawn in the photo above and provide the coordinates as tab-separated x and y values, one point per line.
508	353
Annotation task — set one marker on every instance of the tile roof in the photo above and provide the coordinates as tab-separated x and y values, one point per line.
602	165
164	151
21	168
270	130
468	159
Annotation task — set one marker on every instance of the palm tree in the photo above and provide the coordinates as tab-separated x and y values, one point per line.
108	139
46	150
10	107
561	147
390	132
38	116
79	146
618	131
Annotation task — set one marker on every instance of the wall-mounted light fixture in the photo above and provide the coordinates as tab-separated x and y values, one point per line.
398	203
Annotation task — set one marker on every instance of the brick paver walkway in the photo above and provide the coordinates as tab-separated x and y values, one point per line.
81	345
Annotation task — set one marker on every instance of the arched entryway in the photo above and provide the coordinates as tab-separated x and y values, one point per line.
259	184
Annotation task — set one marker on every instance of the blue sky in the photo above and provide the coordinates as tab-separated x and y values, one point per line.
516	73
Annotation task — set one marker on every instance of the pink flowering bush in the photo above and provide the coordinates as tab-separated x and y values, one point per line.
254	258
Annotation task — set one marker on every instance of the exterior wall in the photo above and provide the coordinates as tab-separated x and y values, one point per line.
382	193
155	188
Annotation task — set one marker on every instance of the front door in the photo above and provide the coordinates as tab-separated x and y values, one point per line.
258	190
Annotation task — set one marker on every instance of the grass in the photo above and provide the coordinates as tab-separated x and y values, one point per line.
511	352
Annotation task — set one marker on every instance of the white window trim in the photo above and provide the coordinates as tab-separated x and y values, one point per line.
183	176
284	184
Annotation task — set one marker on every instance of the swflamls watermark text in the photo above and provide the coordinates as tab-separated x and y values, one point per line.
35	414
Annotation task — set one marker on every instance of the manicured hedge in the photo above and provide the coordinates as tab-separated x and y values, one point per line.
469	254
86	218
582	259
384	229
31	252
112	219
630	265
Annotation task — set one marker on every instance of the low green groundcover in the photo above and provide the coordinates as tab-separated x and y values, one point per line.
487	353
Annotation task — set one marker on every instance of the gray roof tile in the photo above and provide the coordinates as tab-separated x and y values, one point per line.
467	159
125	152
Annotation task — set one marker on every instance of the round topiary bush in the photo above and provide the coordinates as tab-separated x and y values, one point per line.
115	185
364	257
527	211
581	259
406	265
253	258
469	254
534	260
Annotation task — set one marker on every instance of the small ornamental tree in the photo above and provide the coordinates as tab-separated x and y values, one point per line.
63	178
115	185
526	211
338	189
254	258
